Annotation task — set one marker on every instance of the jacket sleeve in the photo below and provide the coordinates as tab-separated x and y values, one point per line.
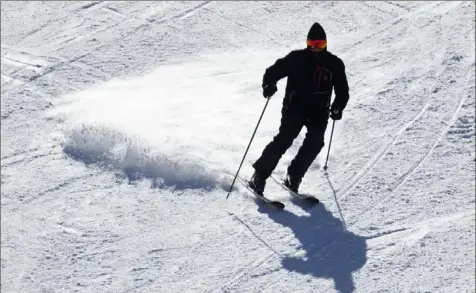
277	71
341	87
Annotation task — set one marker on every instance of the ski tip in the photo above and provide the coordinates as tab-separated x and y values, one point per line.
313	200
278	204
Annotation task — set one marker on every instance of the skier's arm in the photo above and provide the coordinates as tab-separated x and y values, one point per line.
277	71
341	87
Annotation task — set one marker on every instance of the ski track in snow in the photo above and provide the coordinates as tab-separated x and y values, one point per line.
454	116
124	122
380	154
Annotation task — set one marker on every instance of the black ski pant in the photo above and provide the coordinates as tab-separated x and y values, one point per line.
291	124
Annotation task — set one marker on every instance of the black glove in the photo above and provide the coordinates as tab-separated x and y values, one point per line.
269	90
336	114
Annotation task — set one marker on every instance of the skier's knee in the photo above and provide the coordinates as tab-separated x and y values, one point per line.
284	140
315	145
320	144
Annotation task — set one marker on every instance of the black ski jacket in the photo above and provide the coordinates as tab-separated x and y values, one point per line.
311	78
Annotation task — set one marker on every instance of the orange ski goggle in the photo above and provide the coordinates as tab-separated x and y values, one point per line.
317	44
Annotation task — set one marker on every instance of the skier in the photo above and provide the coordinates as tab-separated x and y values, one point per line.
312	74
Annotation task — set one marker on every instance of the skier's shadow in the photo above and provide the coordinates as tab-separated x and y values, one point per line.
330	250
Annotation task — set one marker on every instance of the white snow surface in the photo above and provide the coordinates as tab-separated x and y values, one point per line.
124	123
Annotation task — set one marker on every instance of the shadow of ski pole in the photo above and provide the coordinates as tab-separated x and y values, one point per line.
337	202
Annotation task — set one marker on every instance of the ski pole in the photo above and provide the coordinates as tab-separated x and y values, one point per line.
330	141
242	160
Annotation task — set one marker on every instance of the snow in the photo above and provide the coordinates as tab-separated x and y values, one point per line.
123	124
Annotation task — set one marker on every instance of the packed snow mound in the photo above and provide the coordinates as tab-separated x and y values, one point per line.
116	151
149	127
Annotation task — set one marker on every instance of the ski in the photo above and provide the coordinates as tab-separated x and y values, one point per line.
274	203
307	198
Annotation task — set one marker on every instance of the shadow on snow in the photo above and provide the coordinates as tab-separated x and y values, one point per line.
330	250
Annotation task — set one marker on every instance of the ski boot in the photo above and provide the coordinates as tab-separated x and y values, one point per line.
257	183
292	183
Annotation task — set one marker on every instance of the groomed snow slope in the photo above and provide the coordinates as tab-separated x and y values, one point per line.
123	124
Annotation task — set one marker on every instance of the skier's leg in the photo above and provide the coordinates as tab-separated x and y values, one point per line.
291	125
311	146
